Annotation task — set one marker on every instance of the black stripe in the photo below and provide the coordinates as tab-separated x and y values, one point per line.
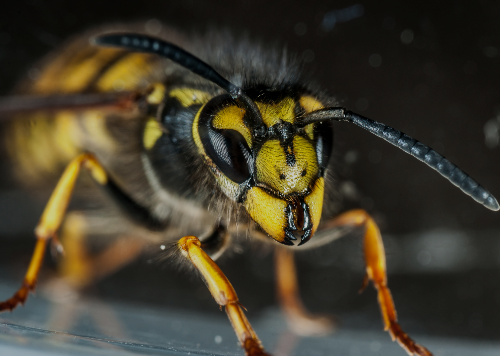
136	212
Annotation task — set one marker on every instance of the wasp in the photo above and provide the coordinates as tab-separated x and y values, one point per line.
198	143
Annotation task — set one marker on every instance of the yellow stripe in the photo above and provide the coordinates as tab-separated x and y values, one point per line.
45	143
189	96
95	124
66	134
76	75
152	132
129	73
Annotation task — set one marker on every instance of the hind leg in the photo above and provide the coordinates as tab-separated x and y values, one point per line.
300	321
80	267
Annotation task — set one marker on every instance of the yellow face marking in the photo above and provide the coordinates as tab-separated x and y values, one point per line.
315	202
273	170
310	131
157	94
188	96
129	73
268	212
152	132
274	113
231	118
310	104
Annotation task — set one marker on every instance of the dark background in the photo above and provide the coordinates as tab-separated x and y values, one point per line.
429	69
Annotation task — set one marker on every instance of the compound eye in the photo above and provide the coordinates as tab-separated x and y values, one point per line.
323	133
230	152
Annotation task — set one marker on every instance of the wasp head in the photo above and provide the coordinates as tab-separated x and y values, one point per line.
274	167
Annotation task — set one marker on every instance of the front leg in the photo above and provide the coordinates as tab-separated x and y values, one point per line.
376	272
223	293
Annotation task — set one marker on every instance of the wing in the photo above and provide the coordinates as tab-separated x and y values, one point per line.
11	106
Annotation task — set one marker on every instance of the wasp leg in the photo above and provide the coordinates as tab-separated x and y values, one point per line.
376	272
217	242
50	222
223	293
80	268
300	321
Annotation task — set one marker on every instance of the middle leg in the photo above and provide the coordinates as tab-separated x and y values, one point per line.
81	268
300	321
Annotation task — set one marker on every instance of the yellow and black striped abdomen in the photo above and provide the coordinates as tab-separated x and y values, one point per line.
42	143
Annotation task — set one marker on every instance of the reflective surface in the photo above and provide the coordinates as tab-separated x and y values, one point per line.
449	307
93	327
